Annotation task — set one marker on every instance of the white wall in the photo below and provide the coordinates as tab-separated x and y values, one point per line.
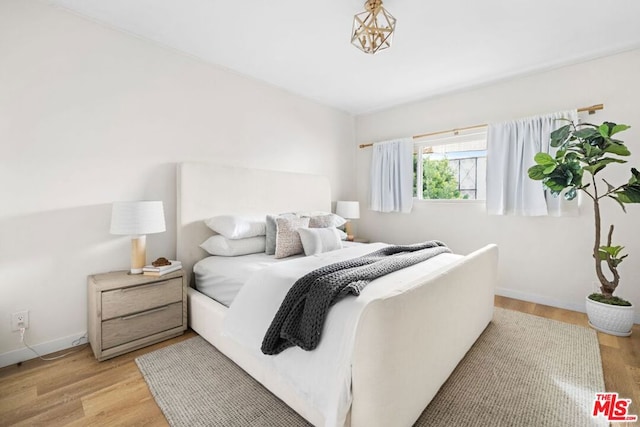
545	260
89	115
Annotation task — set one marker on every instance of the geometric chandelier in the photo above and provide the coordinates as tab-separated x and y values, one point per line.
373	29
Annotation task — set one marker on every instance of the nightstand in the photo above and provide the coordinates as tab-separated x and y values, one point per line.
127	312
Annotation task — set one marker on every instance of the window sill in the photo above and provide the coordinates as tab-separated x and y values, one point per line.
452	201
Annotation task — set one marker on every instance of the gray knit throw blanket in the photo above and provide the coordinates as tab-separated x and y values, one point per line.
300	318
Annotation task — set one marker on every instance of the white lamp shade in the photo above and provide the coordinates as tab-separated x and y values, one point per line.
137	218
348	209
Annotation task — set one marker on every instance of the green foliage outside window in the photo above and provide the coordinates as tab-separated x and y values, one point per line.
439	180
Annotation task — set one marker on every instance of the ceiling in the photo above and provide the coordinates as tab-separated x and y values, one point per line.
439	47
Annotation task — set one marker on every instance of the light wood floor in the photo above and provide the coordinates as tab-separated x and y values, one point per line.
79	391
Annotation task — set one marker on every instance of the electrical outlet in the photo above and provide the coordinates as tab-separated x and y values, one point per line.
20	319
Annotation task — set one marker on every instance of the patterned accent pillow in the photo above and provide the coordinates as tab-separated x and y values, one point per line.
270	247
287	239
321	221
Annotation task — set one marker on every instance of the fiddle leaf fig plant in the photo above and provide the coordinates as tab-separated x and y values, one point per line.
583	151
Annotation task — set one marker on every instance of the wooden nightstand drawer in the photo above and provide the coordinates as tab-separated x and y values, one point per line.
129	328
121	302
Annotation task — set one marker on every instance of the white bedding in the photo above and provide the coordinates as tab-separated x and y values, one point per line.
323	376
221	278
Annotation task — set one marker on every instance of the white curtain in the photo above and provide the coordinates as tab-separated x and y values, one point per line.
392	176
511	147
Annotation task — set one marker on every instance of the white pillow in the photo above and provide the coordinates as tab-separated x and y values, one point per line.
221	246
318	240
238	226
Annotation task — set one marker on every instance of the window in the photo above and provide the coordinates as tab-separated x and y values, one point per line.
451	167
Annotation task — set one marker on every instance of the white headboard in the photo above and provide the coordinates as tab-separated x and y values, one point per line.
206	190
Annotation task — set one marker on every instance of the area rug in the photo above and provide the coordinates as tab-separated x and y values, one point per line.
524	370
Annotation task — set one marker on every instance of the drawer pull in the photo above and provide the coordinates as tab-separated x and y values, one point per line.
144	313
135	288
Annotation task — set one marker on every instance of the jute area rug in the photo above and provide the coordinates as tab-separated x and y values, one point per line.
523	371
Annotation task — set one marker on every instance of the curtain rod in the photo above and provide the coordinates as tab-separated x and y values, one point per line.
591	109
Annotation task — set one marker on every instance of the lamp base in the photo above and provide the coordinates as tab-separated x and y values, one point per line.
349	230
138	253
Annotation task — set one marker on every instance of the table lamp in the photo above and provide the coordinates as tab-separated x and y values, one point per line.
137	219
348	210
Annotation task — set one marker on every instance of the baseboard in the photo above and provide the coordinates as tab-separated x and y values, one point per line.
538	299
24	354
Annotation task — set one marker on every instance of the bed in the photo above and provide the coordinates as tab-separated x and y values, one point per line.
404	344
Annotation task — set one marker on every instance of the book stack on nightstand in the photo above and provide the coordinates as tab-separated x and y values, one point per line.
151	270
361	240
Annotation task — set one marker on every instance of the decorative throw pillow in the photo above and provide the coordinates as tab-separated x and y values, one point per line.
323	219
318	240
287	240
238	226
270	247
221	246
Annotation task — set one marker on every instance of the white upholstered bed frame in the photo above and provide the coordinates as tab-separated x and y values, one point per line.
406	345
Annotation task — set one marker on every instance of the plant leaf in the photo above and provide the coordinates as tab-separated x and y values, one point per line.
616	250
594	169
573	155
610	253
555	186
591	151
624	209
610	250
630	192
615	148
629	195
609	186
619	128
597	167
544	159
560	135
604	130
537	172
571	194
602	255
586	133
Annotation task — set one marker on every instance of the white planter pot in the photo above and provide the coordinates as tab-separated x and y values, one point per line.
610	319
